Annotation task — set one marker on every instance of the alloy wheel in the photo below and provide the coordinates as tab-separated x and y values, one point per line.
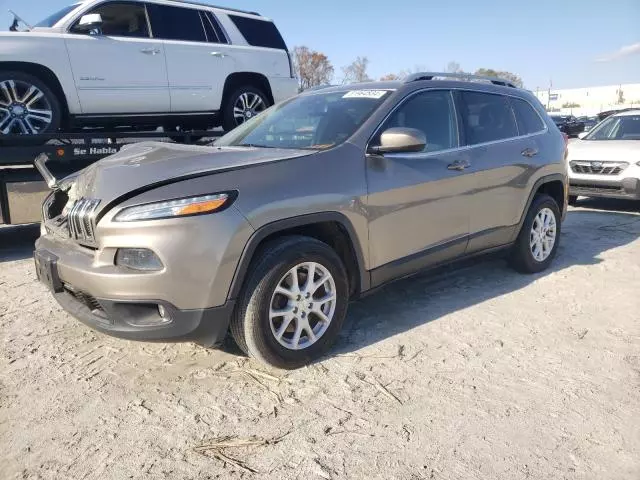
302	306
247	106
543	234
24	108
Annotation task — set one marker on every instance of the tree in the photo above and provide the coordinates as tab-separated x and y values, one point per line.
312	68
356	71
512	77
389	77
454	67
620	96
570	105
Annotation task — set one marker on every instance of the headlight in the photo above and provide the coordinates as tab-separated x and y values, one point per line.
175	208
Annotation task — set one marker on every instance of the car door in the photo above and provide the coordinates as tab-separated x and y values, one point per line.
198	60
119	68
501	162
418	202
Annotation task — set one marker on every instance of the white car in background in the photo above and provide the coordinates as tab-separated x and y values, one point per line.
606	161
141	63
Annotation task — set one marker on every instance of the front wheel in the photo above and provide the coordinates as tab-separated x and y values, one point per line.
242	105
293	304
538	240
27	106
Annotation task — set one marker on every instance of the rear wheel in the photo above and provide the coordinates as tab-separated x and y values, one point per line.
27	106
539	237
243	104
294	303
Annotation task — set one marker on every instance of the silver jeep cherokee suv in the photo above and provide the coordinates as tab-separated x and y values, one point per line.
272	230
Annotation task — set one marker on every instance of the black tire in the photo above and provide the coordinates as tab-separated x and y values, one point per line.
521	258
250	325
573	200
228	120
22	79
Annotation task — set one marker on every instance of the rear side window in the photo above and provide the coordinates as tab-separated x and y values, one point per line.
176	23
259	33
528	119
486	117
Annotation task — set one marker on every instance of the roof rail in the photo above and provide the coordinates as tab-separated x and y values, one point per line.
216	6
414	77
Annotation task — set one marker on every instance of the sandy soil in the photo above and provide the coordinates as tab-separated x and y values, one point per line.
480	373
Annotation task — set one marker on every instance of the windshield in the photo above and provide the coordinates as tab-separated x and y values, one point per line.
316	121
626	127
51	20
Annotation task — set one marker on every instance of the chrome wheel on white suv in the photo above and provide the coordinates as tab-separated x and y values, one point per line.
243	105
27	105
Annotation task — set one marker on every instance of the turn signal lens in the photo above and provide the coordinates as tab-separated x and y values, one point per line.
202	207
174	208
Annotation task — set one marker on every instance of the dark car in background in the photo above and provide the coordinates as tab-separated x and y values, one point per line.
568	124
589	122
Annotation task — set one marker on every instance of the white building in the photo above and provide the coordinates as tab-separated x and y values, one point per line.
590	100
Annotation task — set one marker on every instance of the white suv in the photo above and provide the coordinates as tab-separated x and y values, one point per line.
130	63
606	161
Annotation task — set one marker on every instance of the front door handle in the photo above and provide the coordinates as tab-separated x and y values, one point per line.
219	54
150	51
529	152
459	165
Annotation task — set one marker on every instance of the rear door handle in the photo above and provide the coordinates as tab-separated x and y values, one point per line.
529	152
459	165
219	54
150	51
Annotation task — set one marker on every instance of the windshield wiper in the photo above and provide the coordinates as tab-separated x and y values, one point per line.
254	145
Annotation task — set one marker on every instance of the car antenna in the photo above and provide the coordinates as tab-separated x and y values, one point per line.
16	20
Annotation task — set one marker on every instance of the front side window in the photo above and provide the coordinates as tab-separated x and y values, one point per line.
626	127
430	112
176	23
121	19
528	119
487	117
315	121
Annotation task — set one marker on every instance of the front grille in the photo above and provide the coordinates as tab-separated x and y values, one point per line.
81	220
598	168
87	300
598	188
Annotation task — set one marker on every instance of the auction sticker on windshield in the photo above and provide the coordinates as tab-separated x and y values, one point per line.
365	94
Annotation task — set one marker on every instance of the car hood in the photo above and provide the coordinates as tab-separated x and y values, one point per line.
605	150
145	165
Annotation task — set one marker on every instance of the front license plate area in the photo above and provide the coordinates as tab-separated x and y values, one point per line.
47	270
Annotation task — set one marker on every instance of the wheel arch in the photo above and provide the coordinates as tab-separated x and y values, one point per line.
238	79
332	228
46	75
554	185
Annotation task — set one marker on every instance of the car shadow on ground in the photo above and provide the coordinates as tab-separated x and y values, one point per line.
423	298
17	241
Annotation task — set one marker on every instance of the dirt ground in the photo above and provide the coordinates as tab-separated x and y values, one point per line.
479	373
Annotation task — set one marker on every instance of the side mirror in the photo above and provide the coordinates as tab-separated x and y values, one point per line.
89	22
400	140
581	135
